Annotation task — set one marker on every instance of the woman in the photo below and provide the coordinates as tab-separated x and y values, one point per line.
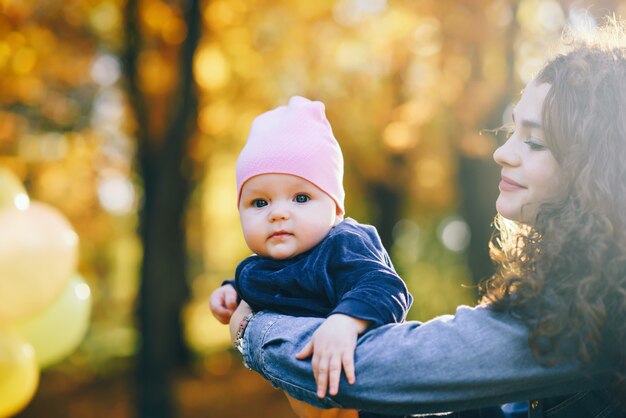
552	327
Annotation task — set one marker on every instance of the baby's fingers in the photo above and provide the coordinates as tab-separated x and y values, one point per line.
223	315
320	371
334	374
348	366
230	300
306	351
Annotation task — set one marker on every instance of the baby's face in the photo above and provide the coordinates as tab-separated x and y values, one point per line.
283	215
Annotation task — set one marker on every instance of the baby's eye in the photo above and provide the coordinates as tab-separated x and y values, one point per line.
259	203
301	198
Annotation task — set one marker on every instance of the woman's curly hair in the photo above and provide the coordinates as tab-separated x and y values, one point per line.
566	274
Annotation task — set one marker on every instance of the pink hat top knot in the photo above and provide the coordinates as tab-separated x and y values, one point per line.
296	139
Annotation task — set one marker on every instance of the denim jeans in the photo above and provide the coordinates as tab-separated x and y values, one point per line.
474	359
258	335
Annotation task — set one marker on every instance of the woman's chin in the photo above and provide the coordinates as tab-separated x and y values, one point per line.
507	210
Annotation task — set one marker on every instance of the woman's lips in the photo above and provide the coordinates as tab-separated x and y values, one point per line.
509	185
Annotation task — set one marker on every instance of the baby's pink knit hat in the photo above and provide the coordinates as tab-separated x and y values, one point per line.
295	139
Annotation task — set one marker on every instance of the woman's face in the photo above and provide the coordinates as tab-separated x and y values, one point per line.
529	170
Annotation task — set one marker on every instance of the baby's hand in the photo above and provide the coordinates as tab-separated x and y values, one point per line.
332	346
223	303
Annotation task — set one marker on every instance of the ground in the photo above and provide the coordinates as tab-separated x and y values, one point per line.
232	392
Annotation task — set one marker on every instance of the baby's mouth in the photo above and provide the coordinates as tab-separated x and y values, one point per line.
280	235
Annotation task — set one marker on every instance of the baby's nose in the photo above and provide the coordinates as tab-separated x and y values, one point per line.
279	211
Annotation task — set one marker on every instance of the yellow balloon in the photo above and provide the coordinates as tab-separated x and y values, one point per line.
56	331
38	254
19	375
12	192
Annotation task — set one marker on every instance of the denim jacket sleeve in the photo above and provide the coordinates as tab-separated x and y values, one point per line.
469	360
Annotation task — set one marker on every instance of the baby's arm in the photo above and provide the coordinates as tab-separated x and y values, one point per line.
332	346
223	303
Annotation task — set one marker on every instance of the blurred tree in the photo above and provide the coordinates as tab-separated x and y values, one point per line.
163	129
477	175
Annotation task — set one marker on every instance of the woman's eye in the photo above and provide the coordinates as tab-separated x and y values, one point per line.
301	198
534	145
259	203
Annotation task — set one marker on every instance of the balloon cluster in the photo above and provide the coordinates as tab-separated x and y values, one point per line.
44	303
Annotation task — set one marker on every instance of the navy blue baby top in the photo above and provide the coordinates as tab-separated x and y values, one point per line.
349	272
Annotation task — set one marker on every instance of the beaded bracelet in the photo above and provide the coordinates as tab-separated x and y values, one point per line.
239	343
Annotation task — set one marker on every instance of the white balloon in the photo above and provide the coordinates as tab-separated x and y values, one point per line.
38	255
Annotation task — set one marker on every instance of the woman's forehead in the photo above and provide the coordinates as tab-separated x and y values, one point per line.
529	109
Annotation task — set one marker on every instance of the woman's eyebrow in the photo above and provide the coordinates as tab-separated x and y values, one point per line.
527	123
531	124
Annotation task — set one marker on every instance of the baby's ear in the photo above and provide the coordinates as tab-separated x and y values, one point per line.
338	217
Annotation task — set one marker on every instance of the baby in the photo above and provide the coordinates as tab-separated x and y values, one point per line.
308	260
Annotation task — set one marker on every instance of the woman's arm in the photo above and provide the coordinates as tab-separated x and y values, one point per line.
470	360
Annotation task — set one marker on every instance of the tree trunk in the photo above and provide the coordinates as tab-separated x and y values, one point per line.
163	287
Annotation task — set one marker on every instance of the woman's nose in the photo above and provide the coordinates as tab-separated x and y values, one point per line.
506	155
